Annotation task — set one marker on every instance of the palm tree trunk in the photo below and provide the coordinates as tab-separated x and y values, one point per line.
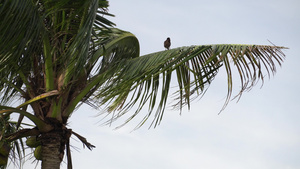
52	149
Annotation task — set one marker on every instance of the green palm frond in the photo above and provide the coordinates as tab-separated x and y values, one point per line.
17	38
58	33
18	44
143	78
108	56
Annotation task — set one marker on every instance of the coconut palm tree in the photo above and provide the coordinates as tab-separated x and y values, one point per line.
57	55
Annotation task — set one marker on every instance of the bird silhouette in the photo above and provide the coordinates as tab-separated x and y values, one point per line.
167	43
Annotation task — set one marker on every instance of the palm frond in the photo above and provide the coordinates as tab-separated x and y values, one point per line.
39	39
21	27
143	78
108	56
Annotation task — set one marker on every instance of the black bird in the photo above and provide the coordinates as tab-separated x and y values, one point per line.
167	43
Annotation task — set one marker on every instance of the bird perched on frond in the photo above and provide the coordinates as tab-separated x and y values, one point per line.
167	43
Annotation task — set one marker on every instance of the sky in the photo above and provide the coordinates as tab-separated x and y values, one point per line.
261	131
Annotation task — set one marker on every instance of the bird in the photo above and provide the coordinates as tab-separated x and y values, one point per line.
167	43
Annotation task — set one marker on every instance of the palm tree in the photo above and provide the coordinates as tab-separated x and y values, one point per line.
57	55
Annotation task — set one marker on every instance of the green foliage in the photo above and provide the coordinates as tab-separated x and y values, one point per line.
195	67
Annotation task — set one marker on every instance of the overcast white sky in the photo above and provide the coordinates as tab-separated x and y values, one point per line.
261	131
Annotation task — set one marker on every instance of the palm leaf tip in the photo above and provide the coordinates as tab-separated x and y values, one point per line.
252	63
